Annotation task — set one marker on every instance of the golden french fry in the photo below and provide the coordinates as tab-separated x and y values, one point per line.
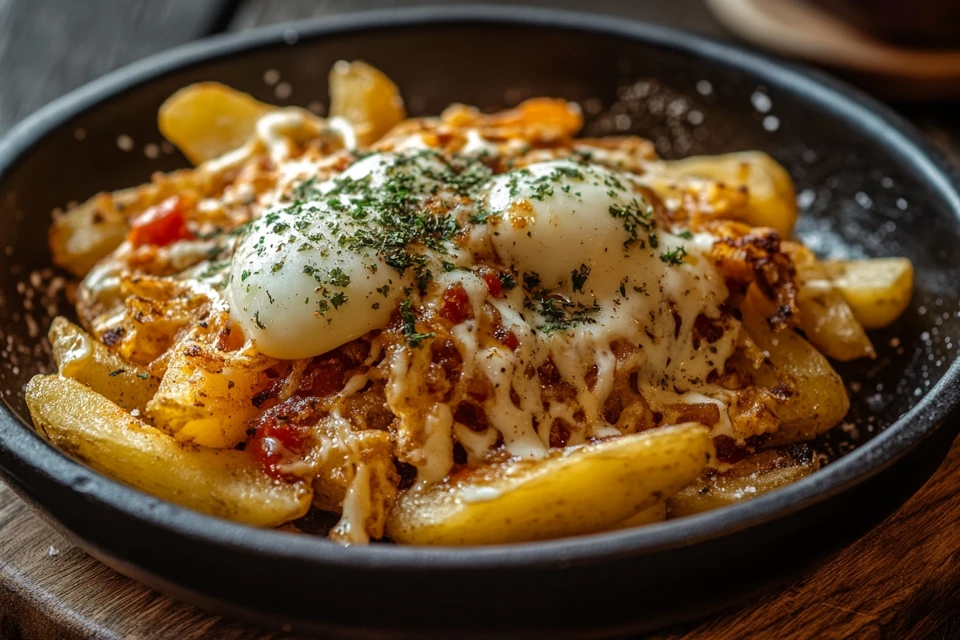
751	477
97	432
770	195
582	490
816	399
366	98
877	290
650	515
81	357
205	396
82	236
825	316
207	119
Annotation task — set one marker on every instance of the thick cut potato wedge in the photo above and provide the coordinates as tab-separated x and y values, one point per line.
94	430
208	119
583	490
82	358
205	397
650	515
812	396
751	477
878	290
825	316
83	235
366	98
771	198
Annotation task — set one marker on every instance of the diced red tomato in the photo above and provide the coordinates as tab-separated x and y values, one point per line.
161	224
456	304
492	278
274	445
507	338
279	435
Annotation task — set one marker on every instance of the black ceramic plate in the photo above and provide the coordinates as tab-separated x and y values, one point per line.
868	185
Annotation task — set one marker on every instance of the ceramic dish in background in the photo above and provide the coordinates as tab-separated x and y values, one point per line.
868	186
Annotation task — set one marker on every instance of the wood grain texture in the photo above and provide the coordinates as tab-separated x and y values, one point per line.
53	589
48	47
900	581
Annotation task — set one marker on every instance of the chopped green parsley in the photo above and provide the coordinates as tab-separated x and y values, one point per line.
675	257
409	327
579	277
637	217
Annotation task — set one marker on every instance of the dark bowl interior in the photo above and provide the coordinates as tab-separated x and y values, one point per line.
867	187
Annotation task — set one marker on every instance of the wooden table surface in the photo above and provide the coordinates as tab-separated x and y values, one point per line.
900	581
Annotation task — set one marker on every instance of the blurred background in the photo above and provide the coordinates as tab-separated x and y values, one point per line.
905	51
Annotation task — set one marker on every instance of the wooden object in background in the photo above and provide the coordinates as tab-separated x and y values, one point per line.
902	580
796	29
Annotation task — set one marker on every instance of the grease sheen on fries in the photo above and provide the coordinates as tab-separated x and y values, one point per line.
467	329
223	483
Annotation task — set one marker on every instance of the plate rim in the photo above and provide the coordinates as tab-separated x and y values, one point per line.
21	445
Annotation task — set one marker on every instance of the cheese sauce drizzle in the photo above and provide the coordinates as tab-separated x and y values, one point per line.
593	288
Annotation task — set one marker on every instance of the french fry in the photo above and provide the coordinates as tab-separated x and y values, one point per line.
751	477
205	396
583	490
366	98
770	195
85	234
81	357
650	515
825	316
877	290
812	396
94	430
207	119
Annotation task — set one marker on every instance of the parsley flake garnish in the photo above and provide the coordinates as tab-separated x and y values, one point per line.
531	280
579	277
409	327
338	278
636	216
562	315
675	257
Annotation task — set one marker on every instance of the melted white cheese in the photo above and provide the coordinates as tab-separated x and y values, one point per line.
300	285
587	236
598	275
298	294
556	217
